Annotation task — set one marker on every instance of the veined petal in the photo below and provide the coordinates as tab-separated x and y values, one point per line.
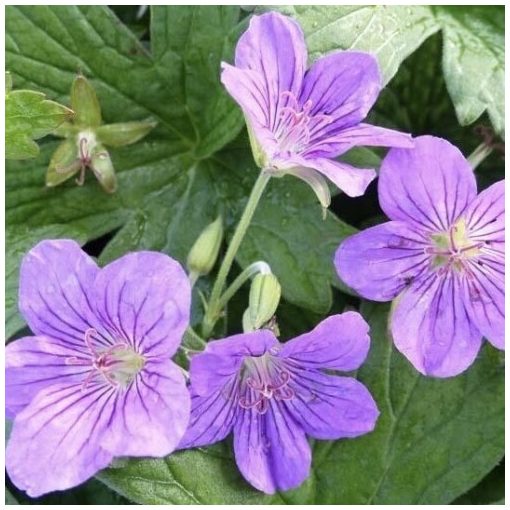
428	186
343	85
56	279
361	134
340	342
485	222
55	443
484	295
144	298
271	449
485	217
315	180
212	417
381	261
151	416
247	87
274	47
352	181
33	363
432	328
331	407
211	369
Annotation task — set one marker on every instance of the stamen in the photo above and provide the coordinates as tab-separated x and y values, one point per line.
88	340
285	393
296	123
271	382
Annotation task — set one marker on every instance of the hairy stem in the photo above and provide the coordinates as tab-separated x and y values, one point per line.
479	154
216	303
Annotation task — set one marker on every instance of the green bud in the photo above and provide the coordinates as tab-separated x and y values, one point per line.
85	104
64	163
204	252
102	166
124	133
265	293
259	155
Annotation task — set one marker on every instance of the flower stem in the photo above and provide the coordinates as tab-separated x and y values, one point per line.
479	154
251	270
215	302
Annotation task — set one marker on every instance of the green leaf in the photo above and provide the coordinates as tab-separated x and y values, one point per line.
390	32
289	233
473	54
18	242
187	45
9	498
46	45
29	116
490	490
474	61
435	438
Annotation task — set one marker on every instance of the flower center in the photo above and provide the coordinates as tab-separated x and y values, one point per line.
117	364
295	125
452	250
264	379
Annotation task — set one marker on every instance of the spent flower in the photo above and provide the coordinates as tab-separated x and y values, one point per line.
442	256
272	395
96	381
299	119
86	138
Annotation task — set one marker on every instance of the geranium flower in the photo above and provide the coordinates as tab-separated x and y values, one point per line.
96	382
299	118
272	395
442	256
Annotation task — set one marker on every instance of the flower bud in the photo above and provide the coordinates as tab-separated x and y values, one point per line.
265	293
85	104
204	252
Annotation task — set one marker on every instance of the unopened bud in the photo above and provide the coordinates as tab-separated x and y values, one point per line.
204	252
265	293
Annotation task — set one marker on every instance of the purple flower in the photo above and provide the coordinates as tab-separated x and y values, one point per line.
302	118
442	255
272	395
96	382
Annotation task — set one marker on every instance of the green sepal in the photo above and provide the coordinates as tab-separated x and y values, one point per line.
102	166
124	133
259	156
85	104
64	163
66	130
